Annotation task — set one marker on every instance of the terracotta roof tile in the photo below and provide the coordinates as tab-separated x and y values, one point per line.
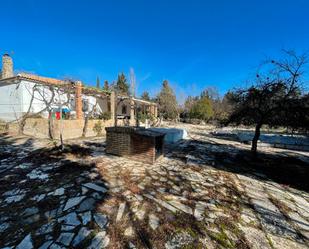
40	78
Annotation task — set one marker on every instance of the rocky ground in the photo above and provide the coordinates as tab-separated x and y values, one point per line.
206	192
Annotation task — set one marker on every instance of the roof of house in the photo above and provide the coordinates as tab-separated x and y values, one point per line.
53	81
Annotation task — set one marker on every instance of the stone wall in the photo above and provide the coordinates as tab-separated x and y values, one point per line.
38	127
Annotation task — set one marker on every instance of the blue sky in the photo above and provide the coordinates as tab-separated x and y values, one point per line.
193	44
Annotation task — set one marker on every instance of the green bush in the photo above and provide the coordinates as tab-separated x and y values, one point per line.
105	116
97	128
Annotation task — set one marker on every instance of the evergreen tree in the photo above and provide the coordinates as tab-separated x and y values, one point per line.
121	85
145	96
106	86
98	82
166	99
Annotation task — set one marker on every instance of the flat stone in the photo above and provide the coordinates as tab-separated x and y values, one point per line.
121	209
199	210
162	203
255	237
84	190
181	206
15	198
72	202
31	219
86	217
100	219
65	238
4	226
153	221
25	243
67	228
30	211
95	187
59	191
129	232
87	205
46	245
36	174
82	235
101	240
38	198
140	213
46	228
70	219
56	246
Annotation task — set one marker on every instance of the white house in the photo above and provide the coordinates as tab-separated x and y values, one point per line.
28	93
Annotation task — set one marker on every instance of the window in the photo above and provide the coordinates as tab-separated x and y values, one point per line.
85	105
124	109
72	104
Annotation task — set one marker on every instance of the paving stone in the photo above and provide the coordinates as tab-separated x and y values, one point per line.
38	198
65	238
46	228
26	243
59	191
15	198
121	209
72	202
87	205
46	244
100	219
162	203
153	221
56	246
70	219
129	232
199	210
281	242
95	187
31	219
181	206
101	240
37	174
67	228
178	241
4	226
86	217
30	211
255	237
82	235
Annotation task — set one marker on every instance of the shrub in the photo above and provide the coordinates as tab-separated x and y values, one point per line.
97	128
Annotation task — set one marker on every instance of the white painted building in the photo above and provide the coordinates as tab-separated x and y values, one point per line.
28	93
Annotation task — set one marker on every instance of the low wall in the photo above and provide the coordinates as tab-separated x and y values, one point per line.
38	127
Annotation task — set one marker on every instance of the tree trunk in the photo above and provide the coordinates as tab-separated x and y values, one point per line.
256	138
85	126
21	126
50	126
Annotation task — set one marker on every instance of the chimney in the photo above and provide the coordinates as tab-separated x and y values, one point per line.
7	66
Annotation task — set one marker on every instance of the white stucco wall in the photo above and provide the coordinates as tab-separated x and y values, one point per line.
15	100
10	102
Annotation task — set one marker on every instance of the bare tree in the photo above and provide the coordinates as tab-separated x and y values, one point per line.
266	100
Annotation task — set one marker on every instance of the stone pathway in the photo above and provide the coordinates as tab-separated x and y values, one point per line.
188	199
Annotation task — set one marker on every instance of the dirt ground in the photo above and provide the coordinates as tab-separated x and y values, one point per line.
206	192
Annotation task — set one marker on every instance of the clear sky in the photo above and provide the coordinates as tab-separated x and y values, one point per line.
193	44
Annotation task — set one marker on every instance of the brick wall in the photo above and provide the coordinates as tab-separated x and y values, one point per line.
143	148
124	141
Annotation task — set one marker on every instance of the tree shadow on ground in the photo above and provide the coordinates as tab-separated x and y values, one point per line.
41	186
281	168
